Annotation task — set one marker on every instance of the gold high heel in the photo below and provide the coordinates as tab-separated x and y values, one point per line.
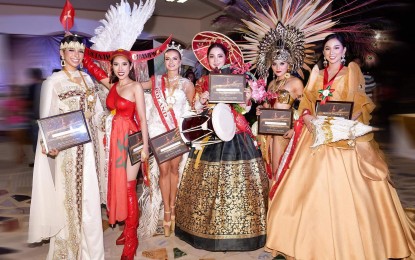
173	219
167	226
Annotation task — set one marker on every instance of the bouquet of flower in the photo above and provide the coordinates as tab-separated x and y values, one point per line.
258	86
259	93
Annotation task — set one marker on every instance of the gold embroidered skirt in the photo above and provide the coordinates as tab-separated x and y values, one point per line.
222	199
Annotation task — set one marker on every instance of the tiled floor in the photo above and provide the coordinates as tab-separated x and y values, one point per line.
14	212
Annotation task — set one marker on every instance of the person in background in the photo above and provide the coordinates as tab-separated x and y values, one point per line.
65	204
190	75
17	121
36	78
222	199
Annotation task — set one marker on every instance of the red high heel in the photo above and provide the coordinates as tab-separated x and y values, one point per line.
121	239
131	223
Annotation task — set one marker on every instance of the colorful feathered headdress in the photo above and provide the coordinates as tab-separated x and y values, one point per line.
285	29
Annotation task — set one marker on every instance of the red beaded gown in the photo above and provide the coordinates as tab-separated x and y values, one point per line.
124	123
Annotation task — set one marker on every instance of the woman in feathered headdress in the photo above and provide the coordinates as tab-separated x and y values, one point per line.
222	200
127	104
329	202
279	35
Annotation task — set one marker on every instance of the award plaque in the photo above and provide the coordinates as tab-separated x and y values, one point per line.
226	88
64	131
275	121
335	109
168	145
135	146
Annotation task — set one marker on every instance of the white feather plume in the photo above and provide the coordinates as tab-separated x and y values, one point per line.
122	25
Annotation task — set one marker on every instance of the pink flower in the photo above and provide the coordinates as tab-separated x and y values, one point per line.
236	69
258	90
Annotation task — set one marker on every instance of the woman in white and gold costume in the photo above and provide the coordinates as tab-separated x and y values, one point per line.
337	201
168	98
65	205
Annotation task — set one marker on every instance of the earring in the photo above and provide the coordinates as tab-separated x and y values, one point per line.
287	75
63	63
273	76
81	66
343	59
325	63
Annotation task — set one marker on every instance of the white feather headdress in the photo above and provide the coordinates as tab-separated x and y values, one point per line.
122	25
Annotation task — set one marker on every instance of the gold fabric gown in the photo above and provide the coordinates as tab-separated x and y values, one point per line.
336	201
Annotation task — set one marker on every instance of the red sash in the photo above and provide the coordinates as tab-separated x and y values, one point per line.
167	116
327	85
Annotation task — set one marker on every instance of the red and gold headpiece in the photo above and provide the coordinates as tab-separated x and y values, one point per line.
202	41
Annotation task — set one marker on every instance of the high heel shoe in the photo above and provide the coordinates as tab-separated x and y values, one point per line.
167	226
120	240
173	219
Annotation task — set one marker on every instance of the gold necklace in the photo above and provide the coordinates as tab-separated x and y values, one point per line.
278	84
89	93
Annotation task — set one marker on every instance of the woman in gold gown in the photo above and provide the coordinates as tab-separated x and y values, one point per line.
336	201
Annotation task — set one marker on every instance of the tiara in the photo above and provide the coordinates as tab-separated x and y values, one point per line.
72	45
175	47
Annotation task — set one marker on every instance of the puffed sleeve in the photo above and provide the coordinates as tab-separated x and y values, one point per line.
308	101
362	103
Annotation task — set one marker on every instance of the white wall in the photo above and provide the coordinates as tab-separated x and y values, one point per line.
43	21
29	20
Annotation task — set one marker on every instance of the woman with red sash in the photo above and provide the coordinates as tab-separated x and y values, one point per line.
222	200
336	201
168	98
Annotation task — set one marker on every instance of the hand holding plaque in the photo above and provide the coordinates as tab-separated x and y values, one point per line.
227	88
64	131
342	109
274	121
135	147
168	145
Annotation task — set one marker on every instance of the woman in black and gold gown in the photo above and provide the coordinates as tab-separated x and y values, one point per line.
222	198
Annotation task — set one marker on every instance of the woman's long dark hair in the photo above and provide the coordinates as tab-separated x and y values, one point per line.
337	36
225	51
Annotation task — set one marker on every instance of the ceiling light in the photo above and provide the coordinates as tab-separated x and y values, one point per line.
178	1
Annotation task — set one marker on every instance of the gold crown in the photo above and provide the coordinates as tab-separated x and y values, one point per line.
72	45
173	46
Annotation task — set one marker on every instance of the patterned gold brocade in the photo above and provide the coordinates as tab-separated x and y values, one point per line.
230	215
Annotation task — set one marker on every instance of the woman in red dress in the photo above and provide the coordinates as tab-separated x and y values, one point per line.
126	101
